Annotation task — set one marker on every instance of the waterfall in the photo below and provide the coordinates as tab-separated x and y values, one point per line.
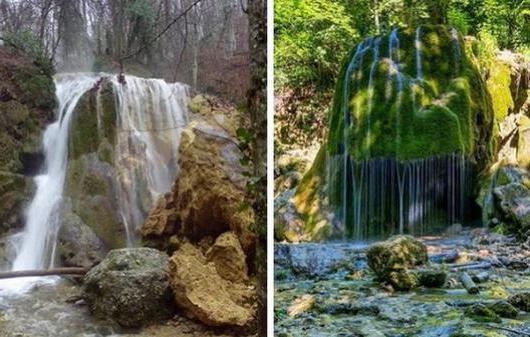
375	194
417	45
150	116
38	240
384	196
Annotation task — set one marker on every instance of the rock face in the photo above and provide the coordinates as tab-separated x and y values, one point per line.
203	294
130	286
391	260
27	101
207	195
91	183
505	199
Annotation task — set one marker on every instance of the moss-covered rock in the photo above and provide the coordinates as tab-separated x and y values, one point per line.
521	301
384	106
503	309
482	313
391	260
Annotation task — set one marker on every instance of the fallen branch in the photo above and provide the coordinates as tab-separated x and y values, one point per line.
46	272
468	283
469	266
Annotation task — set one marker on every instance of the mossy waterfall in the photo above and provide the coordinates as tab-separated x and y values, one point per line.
409	125
142	124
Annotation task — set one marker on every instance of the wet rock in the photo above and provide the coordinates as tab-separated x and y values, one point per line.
391	259
229	258
482	313
504	309
78	245
521	301
204	295
403	280
432	278
130	286
300	305
318	260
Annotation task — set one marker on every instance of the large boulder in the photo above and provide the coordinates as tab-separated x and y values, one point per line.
130	286
207	195
391	260
203	294
78	245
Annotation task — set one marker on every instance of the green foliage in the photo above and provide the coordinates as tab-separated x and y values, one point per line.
311	38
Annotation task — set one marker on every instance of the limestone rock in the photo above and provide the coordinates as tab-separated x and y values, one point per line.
204	295
229	258
129	286
206	198
396	253
79	246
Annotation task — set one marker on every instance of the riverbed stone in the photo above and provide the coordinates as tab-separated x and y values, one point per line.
391	259
521	301
504	309
482	313
130	286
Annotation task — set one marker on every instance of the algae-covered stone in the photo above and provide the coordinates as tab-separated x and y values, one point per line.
482	313
504	309
403	280
432	278
397	253
129	286
521	301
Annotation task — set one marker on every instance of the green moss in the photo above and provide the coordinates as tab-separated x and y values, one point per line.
498	85
435	115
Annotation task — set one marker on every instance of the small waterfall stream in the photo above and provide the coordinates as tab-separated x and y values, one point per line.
150	116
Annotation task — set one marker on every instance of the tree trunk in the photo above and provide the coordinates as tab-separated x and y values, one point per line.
45	272
257	108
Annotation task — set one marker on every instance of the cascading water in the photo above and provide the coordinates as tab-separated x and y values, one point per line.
37	243
375	196
417	45
150	116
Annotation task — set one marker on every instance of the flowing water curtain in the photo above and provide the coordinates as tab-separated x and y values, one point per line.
151	116
374	195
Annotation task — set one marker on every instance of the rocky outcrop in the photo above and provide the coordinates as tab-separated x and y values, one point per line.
91	183
207	196
27	101
203	294
392	260
130	286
